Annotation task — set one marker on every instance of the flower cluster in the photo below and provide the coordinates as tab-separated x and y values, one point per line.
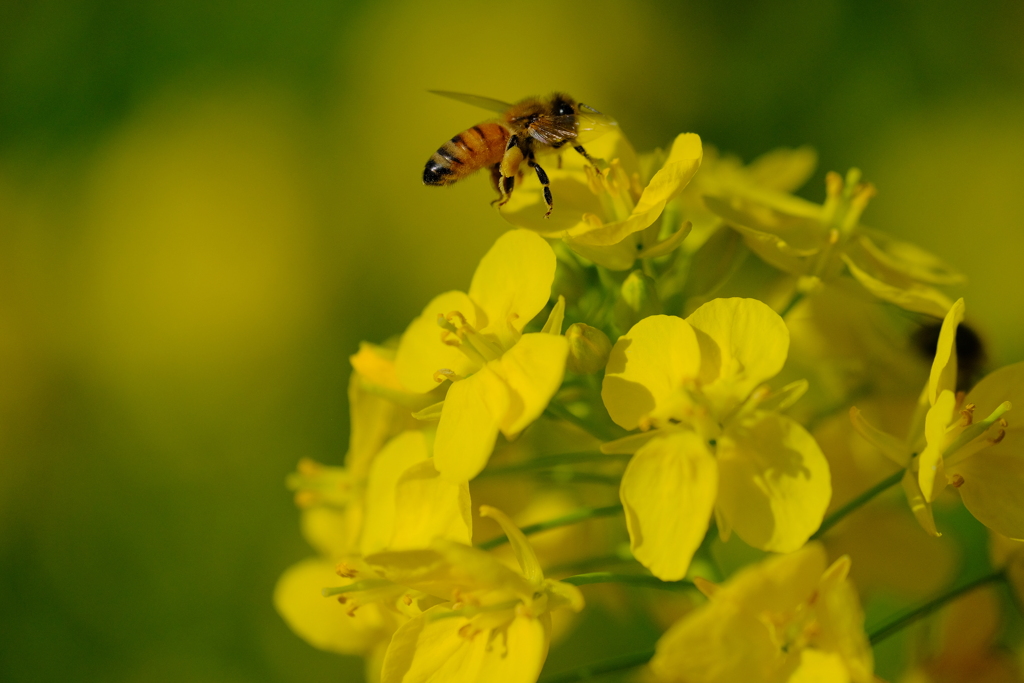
689	379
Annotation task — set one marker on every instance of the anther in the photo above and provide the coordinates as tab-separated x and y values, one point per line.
306	499
342	599
345	571
407	599
997	438
967	415
444	373
956	480
309	468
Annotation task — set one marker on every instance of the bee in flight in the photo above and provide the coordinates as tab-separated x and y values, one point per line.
520	133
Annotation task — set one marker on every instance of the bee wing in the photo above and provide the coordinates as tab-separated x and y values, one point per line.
582	127
592	124
474	100
551	130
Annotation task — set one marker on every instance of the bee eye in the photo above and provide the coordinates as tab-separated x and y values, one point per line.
564	109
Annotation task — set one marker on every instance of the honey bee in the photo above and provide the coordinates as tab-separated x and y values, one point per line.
521	132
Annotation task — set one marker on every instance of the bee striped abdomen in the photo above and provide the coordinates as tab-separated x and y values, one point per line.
475	148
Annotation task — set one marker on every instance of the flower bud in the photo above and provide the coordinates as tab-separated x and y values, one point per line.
588	348
637	300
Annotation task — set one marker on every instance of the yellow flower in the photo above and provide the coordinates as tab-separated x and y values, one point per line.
787	618
893	556
767	178
378	500
605	215
502	379
981	459
821	242
493	624
714	443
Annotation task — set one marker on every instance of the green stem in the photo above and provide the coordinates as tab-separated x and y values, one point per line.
839	514
880	634
589	563
589	671
571	476
560	412
580	515
797	297
549	461
631	579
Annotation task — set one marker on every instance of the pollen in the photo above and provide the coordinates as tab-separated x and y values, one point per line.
344	570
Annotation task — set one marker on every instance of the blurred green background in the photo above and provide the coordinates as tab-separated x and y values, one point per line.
204	206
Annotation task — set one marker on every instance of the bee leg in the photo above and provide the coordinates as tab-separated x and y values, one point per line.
496	182
542	176
586	155
508	168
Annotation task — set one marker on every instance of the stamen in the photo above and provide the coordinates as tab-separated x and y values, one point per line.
444	373
967	415
368	584
976	430
306	499
997	438
956	480
345	571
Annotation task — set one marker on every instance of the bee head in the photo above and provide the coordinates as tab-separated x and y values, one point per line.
562	105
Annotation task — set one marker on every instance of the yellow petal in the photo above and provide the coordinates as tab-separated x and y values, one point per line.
993	482
668	491
931	475
944	368
333	532
841	623
619	256
774	482
428	507
783	239
1004	384
717	643
421	352
429	649
683	161
647	365
919	505
783	170
820	667
911	296
448	569
403	451
908	258
777	584
513	281
321	621
520	546
469	424
553	325
373	419
891	447
532	370
748	340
